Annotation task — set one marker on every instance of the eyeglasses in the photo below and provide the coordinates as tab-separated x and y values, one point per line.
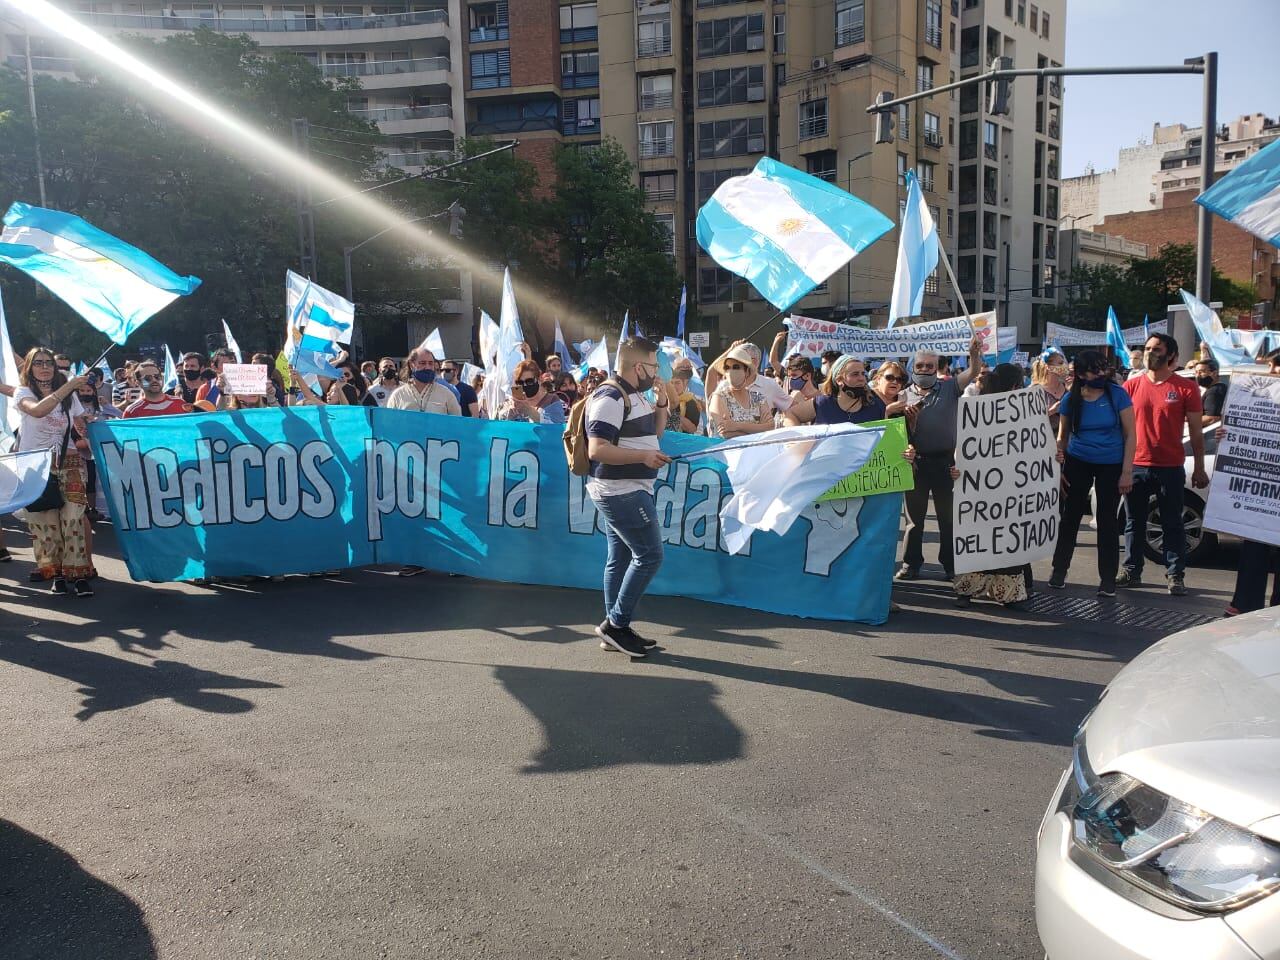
42	363
527	383
894	378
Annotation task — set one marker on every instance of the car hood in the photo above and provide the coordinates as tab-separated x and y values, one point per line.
1197	716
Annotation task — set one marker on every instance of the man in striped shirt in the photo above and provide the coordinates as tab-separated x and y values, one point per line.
622	443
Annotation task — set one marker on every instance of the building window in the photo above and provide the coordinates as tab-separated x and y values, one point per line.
657	139
709	180
851	22
822	165
658	187
904	121
924	76
729	138
1035	19
488	21
580	69
1008	9
968	139
902	169
1022	12
779	33
581	116
951	177
668	223
733	35
933	23
813	119
655	92
924	173
490	69
578	23
721	286
653	38
779	76
718	88
990	140
951	221
1044	25
932	130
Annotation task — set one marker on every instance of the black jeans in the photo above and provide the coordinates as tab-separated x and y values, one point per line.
933	476
1167	484
1256	561
1104	479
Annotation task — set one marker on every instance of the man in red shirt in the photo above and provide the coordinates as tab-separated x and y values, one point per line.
1162	403
154	402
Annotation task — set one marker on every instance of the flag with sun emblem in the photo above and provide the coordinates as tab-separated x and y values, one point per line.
785	231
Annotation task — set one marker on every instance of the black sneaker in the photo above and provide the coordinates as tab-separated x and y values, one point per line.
35	576
964	600
1059	580
1106	589
907	573
636	638
618	639
82	588
59	586
1127	578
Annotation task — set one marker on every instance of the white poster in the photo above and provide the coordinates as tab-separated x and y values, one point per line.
1005	507
1244	492
811	338
245	379
1065	336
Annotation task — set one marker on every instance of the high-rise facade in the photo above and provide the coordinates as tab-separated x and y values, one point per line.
1008	181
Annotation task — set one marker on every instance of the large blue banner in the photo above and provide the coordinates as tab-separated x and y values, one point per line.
313	488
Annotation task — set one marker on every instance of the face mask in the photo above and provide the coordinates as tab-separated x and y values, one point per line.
424	376
1205	381
797	383
191	374
388	374
644	382
737	378
450	375
530	390
856	392
925	381
1096	383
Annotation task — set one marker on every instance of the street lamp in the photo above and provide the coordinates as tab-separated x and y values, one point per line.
848	273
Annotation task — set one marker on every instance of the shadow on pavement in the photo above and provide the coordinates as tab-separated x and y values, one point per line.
51	909
594	720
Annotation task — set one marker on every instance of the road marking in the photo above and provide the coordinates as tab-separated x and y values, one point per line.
845	884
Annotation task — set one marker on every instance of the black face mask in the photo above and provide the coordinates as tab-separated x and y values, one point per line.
389	373
644	382
530	390
857	393
1205	381
191	374
1096	381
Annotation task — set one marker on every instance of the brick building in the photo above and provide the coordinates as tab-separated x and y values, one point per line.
1237	253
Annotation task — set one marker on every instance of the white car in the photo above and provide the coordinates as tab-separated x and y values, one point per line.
1162	840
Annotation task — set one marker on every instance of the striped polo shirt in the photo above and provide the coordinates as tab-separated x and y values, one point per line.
605	411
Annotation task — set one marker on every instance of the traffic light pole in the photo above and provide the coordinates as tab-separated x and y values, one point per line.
1206	65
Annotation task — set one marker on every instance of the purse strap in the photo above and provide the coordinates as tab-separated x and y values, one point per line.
66	438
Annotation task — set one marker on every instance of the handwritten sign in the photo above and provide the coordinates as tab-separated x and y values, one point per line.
885	472
245	379
1244	493
1005	509
812	338
700	338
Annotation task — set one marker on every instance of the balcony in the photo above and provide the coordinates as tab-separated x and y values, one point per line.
655	101
518	125
933	37
383	68
659	47
1053	129
301	24
579	34
1052	171
1055	88
926	184
969	57
580	127
990	151
990	196
579	81
923	84
850	35
659	196
389	114
500	31
657	148
933	138
42	64
968	196
813	127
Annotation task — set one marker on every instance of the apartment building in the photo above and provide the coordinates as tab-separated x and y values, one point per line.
1009	176
407	56
841	54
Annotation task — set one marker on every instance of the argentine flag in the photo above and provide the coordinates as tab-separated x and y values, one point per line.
561	349
318	320
684	302
598	357
435	343
917	255
114	286
1115	335
23	477
231	342
1249	196
785	231
1211	331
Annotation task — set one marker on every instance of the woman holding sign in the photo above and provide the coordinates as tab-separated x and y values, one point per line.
1096	443
844	397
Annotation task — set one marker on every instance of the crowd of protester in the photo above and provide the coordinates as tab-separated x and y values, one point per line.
1119	438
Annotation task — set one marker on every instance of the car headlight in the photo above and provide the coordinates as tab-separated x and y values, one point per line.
1172	849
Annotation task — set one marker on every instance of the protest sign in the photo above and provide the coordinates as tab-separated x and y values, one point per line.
245	379
1065	336
885	472
216	495
699	338
1005	509
812	338
1021	358
1244	492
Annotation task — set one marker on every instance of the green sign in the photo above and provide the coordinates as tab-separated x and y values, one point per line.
885	472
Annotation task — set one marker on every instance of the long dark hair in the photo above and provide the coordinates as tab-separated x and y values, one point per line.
1003	378
34	385
1086	361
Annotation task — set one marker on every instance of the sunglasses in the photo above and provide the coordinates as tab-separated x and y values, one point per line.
894	378
527	383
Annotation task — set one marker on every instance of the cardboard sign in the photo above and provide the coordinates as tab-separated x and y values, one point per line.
885	472
1005	509
245	379
1244	492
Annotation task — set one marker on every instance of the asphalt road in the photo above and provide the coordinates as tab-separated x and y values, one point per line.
367	766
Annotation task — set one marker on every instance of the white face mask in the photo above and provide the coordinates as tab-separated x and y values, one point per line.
737	377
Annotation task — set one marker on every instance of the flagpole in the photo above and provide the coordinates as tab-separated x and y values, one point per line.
955	286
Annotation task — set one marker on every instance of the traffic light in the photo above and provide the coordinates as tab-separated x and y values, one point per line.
998	90
456	213
884	119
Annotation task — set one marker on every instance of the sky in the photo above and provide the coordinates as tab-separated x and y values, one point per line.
1102	114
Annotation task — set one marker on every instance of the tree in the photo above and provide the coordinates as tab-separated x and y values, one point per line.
198	205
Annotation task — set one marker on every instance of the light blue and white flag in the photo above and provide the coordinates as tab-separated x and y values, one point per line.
318	320
776	476
598	357
1146	328
785	231
114	286
1211	331
170	371
488	337
561	349
1115	335
231	342
107	375
1249	196
684	302
9	375
677	349
497	383
435	343
469	372
917	255
23	477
